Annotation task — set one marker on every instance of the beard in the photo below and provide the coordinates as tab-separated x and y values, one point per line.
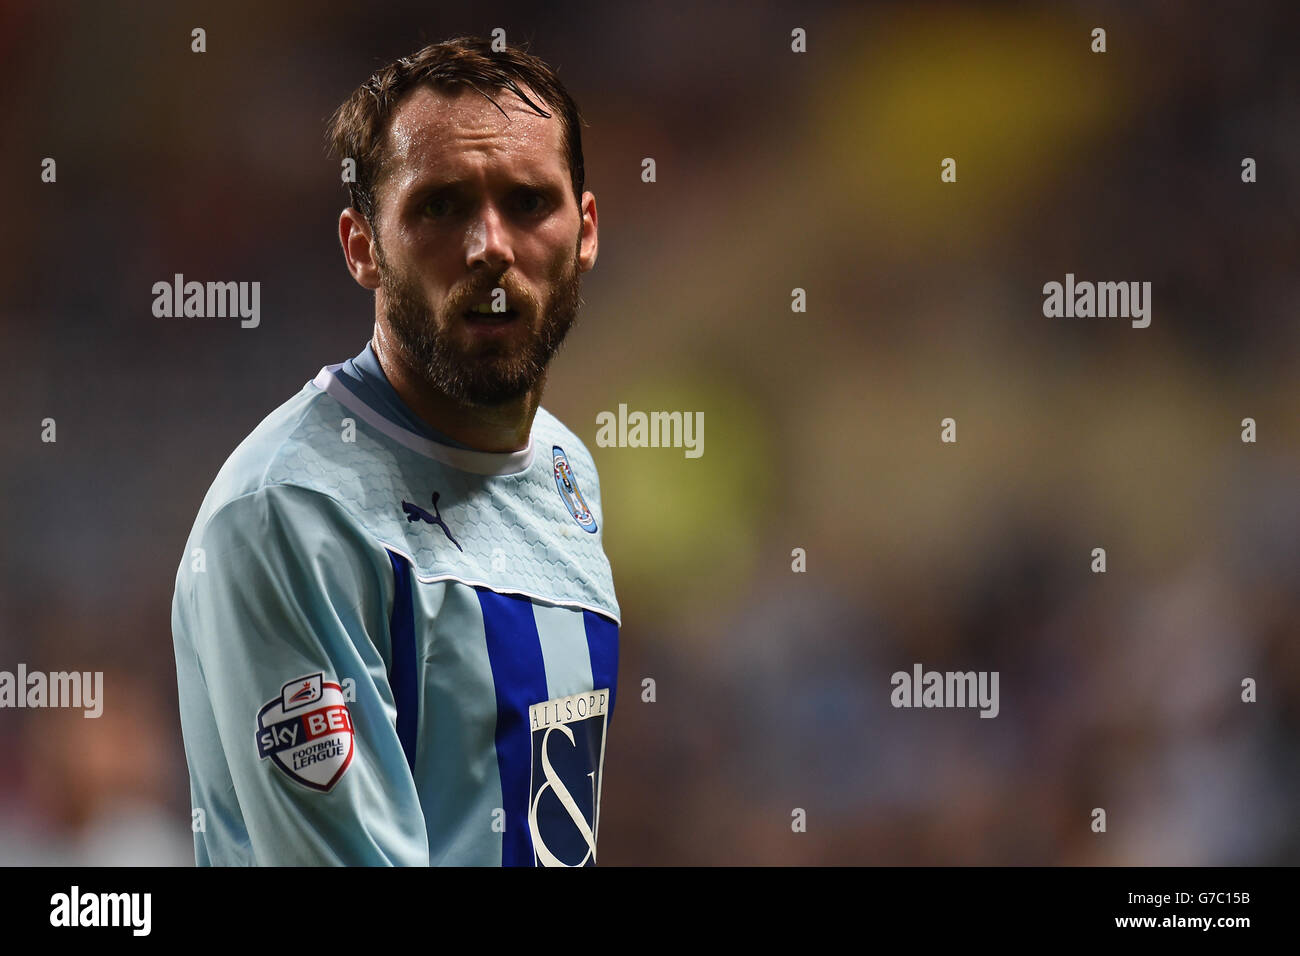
493	372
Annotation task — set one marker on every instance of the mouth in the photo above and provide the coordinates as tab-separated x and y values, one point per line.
485	315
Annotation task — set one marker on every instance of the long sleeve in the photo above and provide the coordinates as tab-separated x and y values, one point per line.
280	622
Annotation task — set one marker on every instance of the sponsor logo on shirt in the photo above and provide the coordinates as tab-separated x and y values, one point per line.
307	732
568	737
416	513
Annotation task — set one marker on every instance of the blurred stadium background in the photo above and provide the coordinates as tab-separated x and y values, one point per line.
775	170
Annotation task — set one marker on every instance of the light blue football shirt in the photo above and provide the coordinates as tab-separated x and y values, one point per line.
392	650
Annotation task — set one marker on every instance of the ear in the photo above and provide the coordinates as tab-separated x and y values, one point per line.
587	240
358	248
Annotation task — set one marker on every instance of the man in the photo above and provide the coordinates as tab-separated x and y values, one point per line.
395	625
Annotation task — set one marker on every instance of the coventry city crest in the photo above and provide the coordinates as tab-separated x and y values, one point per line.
567	484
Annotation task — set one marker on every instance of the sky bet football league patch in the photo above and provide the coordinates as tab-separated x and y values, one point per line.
307	732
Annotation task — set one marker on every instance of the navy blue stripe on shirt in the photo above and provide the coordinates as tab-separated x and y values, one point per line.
519	675
403	676
602	646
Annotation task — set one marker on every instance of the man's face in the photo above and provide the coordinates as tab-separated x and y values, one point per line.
471	202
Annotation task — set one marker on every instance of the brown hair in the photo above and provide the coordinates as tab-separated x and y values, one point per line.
359	127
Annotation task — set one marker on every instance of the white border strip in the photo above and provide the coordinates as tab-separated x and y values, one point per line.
553	602
478	462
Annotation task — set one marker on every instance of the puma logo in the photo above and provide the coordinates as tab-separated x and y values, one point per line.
416	513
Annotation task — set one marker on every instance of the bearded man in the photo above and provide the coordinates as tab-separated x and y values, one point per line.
395	626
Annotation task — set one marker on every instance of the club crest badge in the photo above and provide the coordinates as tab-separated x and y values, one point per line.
307	732
568	487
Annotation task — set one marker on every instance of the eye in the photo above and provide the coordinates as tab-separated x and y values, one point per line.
532	202
438	206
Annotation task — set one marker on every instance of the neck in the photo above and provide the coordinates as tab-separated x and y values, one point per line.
498	428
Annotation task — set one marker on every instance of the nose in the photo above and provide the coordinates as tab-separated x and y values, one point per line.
487	242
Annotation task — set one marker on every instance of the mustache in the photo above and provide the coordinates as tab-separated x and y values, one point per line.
517	297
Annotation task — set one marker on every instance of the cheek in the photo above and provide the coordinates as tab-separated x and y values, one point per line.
414	288
562	262
425	272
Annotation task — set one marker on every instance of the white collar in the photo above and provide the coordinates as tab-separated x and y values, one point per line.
466	459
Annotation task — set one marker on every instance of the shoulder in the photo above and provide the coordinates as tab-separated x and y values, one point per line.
278	519
556	441
549	433
297	462
266	561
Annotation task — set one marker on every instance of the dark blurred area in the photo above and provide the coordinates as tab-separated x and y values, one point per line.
775	170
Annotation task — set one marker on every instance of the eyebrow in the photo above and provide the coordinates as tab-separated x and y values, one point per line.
428	186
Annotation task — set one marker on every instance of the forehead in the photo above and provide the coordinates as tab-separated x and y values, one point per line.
456	132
